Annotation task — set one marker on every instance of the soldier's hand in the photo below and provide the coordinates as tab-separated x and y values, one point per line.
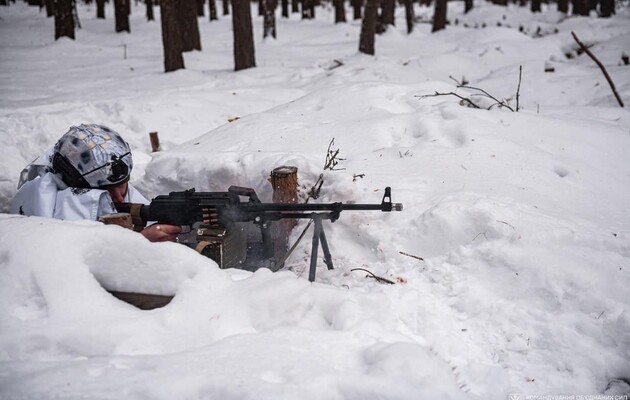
161	232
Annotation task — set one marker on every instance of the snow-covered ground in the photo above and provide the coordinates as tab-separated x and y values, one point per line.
522	219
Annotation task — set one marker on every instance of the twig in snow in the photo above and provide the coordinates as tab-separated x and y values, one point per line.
436	94
331	158
503	222
378	278
486	94
518	89
482	93
480	234
411	255
600	65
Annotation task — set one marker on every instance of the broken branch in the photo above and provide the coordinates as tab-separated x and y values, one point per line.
378	278
601	67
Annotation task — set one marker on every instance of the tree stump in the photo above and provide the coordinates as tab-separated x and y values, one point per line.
284	182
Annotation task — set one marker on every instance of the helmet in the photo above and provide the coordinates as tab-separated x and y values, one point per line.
92	156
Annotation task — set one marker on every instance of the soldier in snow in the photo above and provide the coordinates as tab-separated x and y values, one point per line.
82	177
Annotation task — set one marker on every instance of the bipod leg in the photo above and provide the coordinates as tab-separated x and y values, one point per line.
322	239
316	236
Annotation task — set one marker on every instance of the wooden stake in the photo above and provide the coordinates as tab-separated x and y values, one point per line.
155	141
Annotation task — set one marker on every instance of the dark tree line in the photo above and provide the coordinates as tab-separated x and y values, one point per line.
180	29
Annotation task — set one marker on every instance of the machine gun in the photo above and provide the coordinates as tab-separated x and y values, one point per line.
214	215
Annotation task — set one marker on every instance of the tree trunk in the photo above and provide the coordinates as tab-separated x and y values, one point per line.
563	6
226	7
468	5
121	14
100	9
285	8
409	15
579	7
150	15
606	8
244	53
535	6
439	16
368	27
387	15
308	9
269	18
64	20
357	5
340	11
201	10
295	6
189	25
75	15
171	35
500	2
50	8
212	10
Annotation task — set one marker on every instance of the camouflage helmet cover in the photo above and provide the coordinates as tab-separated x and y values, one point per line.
97	157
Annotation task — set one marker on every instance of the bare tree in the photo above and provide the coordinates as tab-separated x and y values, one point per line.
100	9
439	15
212	10
149	4
340	11
269	18
244	53
535	6
409	15
121	14
563	6
226	7
368	27
308	9
357	5
387	15
189	25
171	35
50	8
606	8
468	5
201	11
285	8
64	20
579	7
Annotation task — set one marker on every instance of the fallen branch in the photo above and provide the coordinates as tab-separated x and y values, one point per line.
601	67
378	278
500	103
484	93
450	94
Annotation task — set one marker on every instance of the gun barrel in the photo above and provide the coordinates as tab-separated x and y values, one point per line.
188	207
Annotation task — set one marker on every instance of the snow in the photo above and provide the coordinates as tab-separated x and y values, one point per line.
521	218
